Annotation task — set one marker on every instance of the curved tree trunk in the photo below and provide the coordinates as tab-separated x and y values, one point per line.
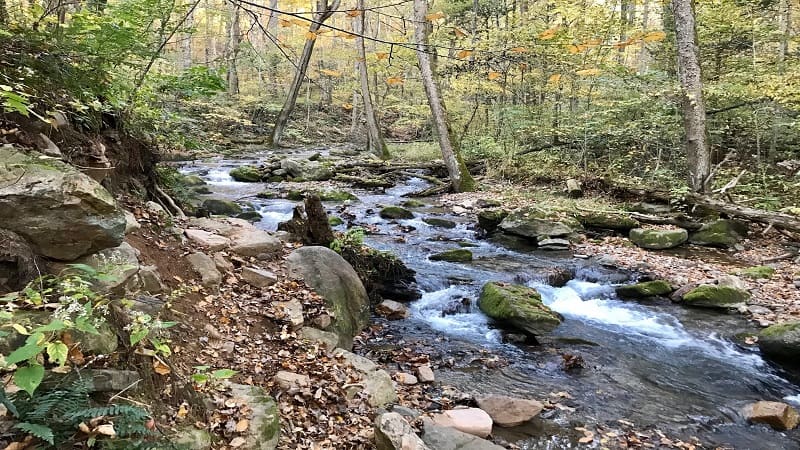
324	11
375	142
459	175
695	141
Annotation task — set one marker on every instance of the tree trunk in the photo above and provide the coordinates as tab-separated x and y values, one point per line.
3	13
323	12
695	141
459	175
272	23
375	142
234	39
785	23
186	44
644	54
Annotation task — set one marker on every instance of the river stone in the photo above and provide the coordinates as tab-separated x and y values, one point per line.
246	173
328	339
779	416
193	180
392	310
265	421
221	207
655	239
333	279
781	342
292	167
259	278
255	243
446	438
489	219
554	244
644	290
61	212
376	383
392	432
425	374
518	306
607	221
207	240
711	296
439	222
204	266
456	255
337	196
508	411
396	212
474	421
534	224
719	233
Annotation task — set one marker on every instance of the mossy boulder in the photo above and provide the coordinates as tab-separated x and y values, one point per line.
267	194
654	239
192	180
518	306
606	221
534	224
644	290
396	212
250	174
712	296
265	419
455	255
719	233
221	207
412	203
781	342
438	222
335	221
757	272
295	195
489	219
251	216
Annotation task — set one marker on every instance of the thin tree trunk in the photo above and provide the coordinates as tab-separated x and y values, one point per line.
186	44
785	24
375	142
695	140
644	54
323	12
272	23
459	175
234	39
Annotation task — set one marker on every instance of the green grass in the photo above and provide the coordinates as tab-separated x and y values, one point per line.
415	151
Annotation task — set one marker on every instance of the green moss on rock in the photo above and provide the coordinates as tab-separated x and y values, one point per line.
518	306
335	221
606	221
711	296
438	222
757	272
412	203
644	290
396	212
719	233
249	174
222	207
489	219
456	255
658	239
781	342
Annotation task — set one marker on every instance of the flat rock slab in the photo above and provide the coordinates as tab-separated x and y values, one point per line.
207	239
508	411
447	438
474	421
779	416
259	278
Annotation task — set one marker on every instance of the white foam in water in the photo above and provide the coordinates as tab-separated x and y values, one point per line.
429	309
793	399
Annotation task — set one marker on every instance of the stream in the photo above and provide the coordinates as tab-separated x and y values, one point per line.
654	364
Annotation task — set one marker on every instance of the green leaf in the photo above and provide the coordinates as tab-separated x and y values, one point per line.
137	336
56	325
200	378
28	378
24	353
40	431
57	352
84	324
19	329
223	374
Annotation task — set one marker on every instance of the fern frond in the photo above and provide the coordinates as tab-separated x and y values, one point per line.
38	431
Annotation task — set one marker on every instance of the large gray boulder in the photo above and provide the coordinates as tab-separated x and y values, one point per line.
781	342
334	279
518	306
61	212
658	239
265	420
535	225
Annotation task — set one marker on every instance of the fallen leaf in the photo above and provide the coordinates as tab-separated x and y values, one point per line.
237	442
161	368
242	425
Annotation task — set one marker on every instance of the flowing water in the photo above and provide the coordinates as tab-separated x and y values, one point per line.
654	364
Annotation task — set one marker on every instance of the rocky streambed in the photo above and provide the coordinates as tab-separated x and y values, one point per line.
651	363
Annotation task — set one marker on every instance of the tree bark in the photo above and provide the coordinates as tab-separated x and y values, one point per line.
695	141
186	44
323	12
459	175
234	39
375	141
272	23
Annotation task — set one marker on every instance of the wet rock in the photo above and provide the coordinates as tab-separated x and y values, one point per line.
62	213
337	196
406	378
438	222
781	342
326	338
265	424
757	272
206	239
473	421
204	266
447	438
412	203
246	173
333	279
18	264
560	276
259	278
644	290
457	306
518	306
710	296
607	221
456	255
534	224
377	384
508	411
554	244
290	380
335	221
392	310
221	207
779	416
719	233
291	311
192	180
396	212
425	374
392	432
250	216
655	239
489	219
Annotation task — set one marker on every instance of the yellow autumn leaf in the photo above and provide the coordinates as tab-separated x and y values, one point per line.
310	35
434	16
554	78
575	49
354	13
347	106
494	75
299	22
519	50
464	54
331	73
382	55
350	36
548	34
587	72
394	81
285	23
459	32
654	36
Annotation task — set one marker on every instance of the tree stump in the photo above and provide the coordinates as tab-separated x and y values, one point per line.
309	223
